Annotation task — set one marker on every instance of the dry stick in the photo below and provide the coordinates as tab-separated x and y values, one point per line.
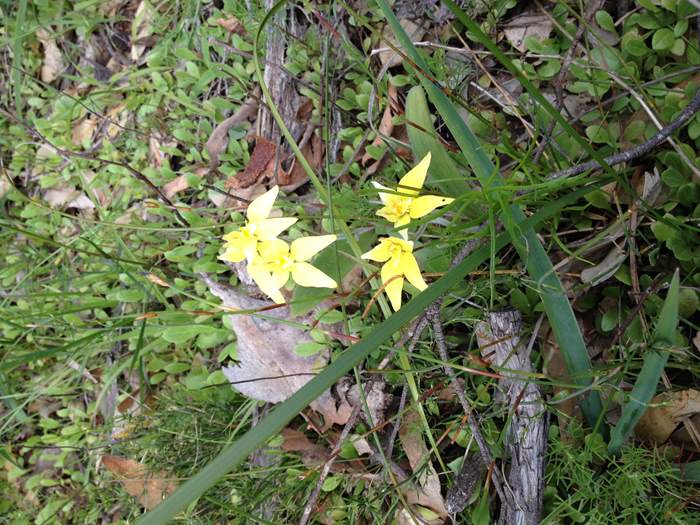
526	438
311	503
559	81
630	154
70	153
433	314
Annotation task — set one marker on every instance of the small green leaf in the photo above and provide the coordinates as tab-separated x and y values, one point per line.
605	21
309	348
598	134
180	334
331	483
663	39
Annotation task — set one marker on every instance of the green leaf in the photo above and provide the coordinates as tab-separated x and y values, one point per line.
663	39
180	334
309	348
634	45
423	138
605	21
654	362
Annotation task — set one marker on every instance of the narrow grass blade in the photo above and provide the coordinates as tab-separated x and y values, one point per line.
690	472
285	412
17	54
653	366
524	239
422	137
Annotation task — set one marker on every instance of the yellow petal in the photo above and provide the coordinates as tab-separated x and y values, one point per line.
409	267
273	249
280	278
414	179
269	229
393	285
305	274
380	253
233	254
306	247
264	281
384	193
422	206
260	208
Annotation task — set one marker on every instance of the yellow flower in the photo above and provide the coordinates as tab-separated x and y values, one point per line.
243	242
276	261
403	204
399	262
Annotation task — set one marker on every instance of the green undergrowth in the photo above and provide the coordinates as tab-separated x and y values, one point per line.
102	304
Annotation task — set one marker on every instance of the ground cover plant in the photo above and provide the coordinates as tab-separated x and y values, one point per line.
349	262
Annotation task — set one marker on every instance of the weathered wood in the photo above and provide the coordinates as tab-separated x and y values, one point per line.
500	342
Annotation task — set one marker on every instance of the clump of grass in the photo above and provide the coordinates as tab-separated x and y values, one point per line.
585	485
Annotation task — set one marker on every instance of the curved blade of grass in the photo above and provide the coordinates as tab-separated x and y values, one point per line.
422	137
524	239
483	39
653	366
285	412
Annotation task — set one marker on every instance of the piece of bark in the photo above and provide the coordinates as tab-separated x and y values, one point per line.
526	438
460	493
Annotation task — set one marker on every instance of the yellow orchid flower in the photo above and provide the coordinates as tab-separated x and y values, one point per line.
404	203
399	262
242	243
277	260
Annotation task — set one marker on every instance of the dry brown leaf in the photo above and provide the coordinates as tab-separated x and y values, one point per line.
268	368
537	25
231	24
658	422
296	176
53	65
64	196
390	58
141	28
149	488
696	341
83	130
605	269
180	183
386	128
312	454
259	166
218	141
428	493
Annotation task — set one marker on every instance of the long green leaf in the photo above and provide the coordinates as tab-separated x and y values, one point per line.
653	366
422	137
524	239
282	414
689	471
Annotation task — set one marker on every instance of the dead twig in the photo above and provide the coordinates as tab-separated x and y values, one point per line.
637	151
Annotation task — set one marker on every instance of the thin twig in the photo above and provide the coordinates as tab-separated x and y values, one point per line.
433	314
637	151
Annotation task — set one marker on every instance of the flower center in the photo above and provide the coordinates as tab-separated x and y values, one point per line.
399	207
282	263
248	231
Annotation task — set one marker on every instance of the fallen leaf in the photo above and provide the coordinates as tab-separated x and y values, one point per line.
296	176
519	28
386	128
218	140
605	269
141	28
391	58
231	24
427	494
268	367
668	409
83	130
312	454
259	166
5	185
180	183
53	58
149	488
64	196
